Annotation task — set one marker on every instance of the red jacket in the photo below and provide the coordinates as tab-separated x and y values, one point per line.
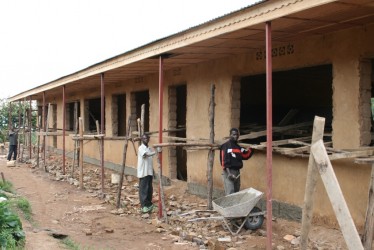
232	155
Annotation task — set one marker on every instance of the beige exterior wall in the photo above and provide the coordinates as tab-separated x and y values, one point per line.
345	50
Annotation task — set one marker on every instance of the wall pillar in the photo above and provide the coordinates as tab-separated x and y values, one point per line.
351	103
365	69
172	124
235	102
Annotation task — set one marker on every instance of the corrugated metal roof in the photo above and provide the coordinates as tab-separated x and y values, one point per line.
238	32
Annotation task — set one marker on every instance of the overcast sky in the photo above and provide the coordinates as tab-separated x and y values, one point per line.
43	40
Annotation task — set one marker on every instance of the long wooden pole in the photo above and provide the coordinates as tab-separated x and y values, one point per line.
38	149
101	154
211	151
191	144
142	117
24	128
46	136
75	156
123	163
81	153
311	182
161	191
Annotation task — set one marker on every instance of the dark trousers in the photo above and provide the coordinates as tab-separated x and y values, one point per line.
231	186
145	191
12	150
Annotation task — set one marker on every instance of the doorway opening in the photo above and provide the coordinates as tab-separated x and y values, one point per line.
93	114
137	100
177	125
119	115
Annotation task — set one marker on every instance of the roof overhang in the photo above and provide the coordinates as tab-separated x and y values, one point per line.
239	32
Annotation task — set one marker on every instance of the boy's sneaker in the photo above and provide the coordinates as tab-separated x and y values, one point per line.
151	207
144	210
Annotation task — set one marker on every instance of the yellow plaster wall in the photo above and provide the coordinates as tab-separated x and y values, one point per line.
289	174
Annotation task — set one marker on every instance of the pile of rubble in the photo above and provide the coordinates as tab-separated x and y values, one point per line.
180	207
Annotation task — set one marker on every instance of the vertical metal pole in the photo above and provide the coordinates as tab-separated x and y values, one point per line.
160	111
24	126
19	126
63	128
269	136
30	125
44	127
102	131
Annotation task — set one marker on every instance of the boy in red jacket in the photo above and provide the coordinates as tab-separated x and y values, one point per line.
231	158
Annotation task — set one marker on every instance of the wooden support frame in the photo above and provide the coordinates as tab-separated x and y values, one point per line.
367	237
336	197
311	182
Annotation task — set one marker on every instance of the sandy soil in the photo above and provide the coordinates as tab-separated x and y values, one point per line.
93	222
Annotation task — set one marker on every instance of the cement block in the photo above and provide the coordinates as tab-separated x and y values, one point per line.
11	164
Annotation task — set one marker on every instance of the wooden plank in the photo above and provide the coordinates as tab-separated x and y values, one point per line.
336	197
286	151
286	119
48	133
172	144
292	141
257	134
311	181
87	137
367	238
288	141
353	154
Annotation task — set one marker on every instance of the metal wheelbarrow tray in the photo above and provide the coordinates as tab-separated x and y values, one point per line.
240	205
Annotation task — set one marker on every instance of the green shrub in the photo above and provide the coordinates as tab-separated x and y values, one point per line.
6	186
11	233
24	205
70	244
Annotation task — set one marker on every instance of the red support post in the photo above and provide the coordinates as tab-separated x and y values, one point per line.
102	125
19	126
44	127
269	136
63	128
30	124
160	111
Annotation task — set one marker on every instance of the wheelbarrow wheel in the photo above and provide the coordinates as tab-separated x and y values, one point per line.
254	222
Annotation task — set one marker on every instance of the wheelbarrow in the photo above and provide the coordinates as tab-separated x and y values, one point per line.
238	207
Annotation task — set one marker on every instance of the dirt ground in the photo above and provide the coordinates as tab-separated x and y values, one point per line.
92	221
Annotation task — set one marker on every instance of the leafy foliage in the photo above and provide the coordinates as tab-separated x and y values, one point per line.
24	205
6	186
16	117
11	233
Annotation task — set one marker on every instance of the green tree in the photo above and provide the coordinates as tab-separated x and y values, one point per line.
16	118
